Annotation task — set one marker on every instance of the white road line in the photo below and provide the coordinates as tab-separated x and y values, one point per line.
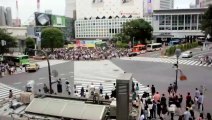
17	83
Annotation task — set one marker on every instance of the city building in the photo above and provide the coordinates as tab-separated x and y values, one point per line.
5	16
102	19
206	3
99	28
70	10
177	23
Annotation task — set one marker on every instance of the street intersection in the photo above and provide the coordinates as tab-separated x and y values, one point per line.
146	71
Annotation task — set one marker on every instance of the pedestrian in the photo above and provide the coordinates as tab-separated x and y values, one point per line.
200	117
142	116
164	110
175	87
153	90
197	94
154	109
101	89
82	92
59	87
45	88
156	97
209	116
192	113
163	99
180	100
170	88
159	108
187	114
107	97
200	102
137	88
188	100
10	93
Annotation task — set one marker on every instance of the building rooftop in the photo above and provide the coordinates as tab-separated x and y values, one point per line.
189	10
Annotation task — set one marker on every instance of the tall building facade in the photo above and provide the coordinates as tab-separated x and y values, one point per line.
70	10
102	19
5	16
203	3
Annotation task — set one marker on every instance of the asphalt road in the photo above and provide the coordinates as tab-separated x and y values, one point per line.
161	75
148	73
19	81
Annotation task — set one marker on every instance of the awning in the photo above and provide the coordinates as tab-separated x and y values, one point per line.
66	108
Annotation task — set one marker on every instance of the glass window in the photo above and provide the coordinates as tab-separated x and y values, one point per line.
161	28
161	20
181	20
174	20
168	19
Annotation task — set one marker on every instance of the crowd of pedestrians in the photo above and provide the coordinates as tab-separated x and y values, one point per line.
89	53
206	59
162	106
5	68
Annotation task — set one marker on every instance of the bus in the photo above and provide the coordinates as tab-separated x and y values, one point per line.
16	60
140	48
154	47
174	42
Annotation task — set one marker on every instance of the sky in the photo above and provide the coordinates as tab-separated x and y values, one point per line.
28	7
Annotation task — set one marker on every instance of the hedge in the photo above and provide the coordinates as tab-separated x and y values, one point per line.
184	47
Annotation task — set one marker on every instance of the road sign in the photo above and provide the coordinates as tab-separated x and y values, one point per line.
54	73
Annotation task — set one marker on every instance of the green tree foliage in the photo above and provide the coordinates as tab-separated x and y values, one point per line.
139	29
206	24
122	37
52	38
30	42
10	41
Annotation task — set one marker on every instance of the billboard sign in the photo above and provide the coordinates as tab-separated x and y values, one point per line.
58	21
42	19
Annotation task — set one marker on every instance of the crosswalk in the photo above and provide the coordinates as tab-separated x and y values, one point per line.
4	91
167	60
96	72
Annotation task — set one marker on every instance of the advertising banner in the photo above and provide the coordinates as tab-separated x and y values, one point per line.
42	19
58	21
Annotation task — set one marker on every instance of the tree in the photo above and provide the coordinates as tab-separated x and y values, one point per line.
138	29
52	38
122	37
30	42
206	24
10	41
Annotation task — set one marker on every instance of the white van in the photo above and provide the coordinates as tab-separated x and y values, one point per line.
154	47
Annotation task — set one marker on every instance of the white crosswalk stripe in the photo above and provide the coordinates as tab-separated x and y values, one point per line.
167	60
96	72
4	91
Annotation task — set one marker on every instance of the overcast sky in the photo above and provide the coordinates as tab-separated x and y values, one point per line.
28	7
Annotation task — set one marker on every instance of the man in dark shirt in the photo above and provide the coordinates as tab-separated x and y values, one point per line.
153	89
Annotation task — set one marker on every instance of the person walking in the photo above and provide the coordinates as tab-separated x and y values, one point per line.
200	117
200	102
209	116
156	97
153	90
101	89
159	108
187	114
170	88
163	99
197	94
45	88
188	100
82	92
10	93
59	86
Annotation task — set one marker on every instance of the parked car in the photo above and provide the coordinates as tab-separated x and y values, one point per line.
32	67
187	54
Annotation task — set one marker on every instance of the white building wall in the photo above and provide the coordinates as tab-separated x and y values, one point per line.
99	28
19	32
94	8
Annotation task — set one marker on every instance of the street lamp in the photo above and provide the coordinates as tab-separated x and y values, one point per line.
177	53
49	70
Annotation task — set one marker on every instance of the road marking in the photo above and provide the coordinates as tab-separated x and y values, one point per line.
18	83
71	72
62	74
39	83
41	78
